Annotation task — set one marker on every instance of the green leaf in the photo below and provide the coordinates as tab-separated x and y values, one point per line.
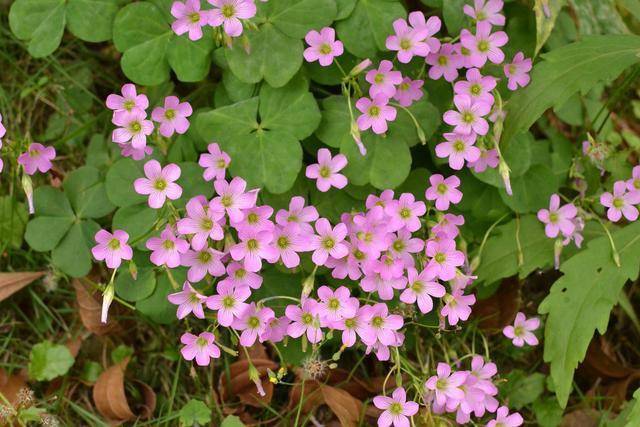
633	419
192	183
547	411
500	259
581	300
73	254
481	201
150	48
48	361
523	389
13	219
91	20
195	412
273	56
546	14
53	218
232	421
296	17
567	70
136	220
87	194
365	31
453	15
598	17
333	204
119	183
135	290
156	306
518	156
532	190
40	22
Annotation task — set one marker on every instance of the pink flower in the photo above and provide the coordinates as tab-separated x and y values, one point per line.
351	326
503	419
458	148
405	213
444	258
112	248
403	245
448	225
518	71
3	131
228	14
201	347
232	197
383	80
189	18
159	183
381	325
229	301
457	306
484	45
323	46
188	301
127	150
326	170
408	91
255	219
167	248
428	28
483	372
558	219
328	242
173	116
253	323
477	86
287	242
37	158
305	319
375	113
202	221
237	276
134	127
488	158
252	249
396	409
633	184
276	329
385	197
469	117
446	385
444	62
407	41
129	101
421	288
488	11
620	203
215	163
444	191
336	305
522	330
203	261
299	214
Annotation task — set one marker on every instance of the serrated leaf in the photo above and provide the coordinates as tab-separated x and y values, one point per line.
365	31
582	299
500	259
48	361
546	14
232	421
195	412
567	70
633	419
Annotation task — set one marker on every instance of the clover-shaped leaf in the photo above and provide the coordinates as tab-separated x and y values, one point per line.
388	159
41	22
262	134
151	49
366	29
274	51
63	222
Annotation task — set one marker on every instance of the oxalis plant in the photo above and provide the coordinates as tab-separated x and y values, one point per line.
357	178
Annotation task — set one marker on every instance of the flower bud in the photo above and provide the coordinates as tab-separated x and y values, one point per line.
254	376
360	68
309	282
355	134
107	299
27	186
557	251
504	170
133	270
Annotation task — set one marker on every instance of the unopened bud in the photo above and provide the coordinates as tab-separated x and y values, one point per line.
307	285
557	251
355	134
360	67
254	376
246	45
133	270
504	170
107	299
27	186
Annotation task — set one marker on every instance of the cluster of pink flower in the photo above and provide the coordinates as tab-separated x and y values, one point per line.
3	131
227	14
626	194
130	115
562	220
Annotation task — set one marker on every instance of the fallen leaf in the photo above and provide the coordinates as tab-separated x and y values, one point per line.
239	384
10	385
601	362
10	283
346	407
501	308
581	418
90	311
110	397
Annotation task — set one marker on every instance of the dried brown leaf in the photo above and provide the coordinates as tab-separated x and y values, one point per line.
600	362
239	384
501	308
90	309
10	283
10	385
581	418
346	407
